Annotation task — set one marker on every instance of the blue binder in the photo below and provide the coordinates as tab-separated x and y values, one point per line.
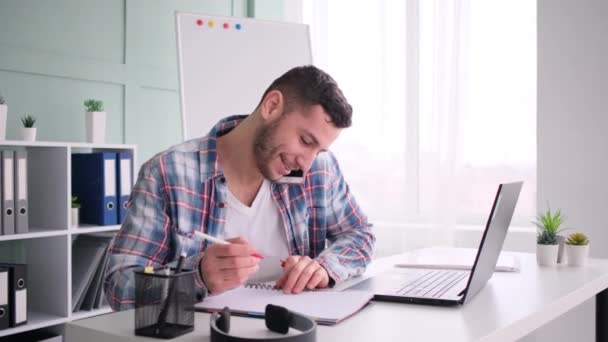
124	177
94	182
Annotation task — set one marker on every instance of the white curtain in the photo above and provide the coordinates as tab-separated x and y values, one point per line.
444	106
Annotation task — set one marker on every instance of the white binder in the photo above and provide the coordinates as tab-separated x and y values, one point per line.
21	201
125	183
7	198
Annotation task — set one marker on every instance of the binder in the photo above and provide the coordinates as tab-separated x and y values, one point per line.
94	182
124	173
17	293
21	201
4	308
7	198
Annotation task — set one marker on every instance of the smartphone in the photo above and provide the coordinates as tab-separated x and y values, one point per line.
294	177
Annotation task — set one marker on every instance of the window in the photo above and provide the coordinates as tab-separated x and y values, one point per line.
444	98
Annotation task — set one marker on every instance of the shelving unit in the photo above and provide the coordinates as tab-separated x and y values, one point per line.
47	247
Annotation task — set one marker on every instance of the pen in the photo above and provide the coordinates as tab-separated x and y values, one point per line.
162	317
220	241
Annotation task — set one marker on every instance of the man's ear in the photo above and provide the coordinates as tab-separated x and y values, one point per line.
272	105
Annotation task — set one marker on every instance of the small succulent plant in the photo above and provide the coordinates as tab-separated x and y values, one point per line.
75	203
94	105
548	227
28	121
577	239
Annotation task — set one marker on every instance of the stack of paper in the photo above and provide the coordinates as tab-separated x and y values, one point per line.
89	254
453	258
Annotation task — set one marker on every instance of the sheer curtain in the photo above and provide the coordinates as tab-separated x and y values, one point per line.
444	106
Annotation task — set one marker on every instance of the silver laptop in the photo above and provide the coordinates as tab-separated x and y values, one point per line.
451	287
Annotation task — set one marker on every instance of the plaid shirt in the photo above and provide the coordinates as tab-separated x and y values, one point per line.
183	189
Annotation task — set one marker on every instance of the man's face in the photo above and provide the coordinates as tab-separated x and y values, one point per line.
293	140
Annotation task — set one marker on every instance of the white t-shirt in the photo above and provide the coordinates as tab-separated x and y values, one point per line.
262	226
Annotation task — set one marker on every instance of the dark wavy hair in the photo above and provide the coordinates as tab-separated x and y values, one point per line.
308	85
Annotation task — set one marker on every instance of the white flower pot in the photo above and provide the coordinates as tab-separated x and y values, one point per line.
577	255
546	255
95	123
74	216
3	113
28	133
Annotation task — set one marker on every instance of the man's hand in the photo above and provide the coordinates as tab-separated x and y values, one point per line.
225	267
302	272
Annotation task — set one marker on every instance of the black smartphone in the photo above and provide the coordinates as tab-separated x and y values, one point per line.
294	177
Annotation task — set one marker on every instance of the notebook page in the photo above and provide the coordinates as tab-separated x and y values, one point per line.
327	307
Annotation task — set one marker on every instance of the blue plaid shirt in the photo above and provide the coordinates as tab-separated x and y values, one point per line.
183	189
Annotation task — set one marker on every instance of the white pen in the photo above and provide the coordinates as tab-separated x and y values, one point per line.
220	241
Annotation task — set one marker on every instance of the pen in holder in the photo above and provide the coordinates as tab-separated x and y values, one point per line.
164	303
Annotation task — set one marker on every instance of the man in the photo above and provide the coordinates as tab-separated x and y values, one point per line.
226	184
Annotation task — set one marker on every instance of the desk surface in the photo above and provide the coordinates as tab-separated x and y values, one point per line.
510	306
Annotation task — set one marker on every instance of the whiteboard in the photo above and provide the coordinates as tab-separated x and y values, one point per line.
225	70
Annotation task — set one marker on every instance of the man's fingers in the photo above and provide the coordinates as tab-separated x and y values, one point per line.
317	279
238	240
290	262
232	249
305	277
239	275
228	263
294	274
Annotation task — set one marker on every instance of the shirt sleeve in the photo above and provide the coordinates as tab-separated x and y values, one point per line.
349	234
146	238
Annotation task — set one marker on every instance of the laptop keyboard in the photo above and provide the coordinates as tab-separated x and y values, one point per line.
432	284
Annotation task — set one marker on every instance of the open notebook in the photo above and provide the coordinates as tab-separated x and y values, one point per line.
324	306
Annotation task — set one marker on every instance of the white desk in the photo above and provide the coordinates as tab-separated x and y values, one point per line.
510	306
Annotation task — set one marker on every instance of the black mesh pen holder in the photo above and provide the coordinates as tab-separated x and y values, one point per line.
164	304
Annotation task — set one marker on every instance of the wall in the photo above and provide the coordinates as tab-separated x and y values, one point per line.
56	54
571	137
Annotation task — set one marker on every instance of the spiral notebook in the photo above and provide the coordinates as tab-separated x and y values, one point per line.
324	306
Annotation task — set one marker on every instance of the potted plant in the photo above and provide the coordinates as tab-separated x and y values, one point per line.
95	121
28	131
3	113
547	242
577	248
75	211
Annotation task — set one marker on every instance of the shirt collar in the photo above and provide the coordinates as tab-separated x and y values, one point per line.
208	161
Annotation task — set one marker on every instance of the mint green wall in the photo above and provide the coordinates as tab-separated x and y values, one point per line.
55	54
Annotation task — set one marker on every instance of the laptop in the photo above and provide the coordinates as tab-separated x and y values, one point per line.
451	287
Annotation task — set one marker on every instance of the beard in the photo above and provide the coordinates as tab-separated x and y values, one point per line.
264	146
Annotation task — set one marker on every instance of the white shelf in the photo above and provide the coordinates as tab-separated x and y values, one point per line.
87	229
47	247
33	143
78	145
86	314
103	146
33	234
35	320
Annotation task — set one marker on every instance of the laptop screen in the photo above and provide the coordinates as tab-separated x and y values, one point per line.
493	237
